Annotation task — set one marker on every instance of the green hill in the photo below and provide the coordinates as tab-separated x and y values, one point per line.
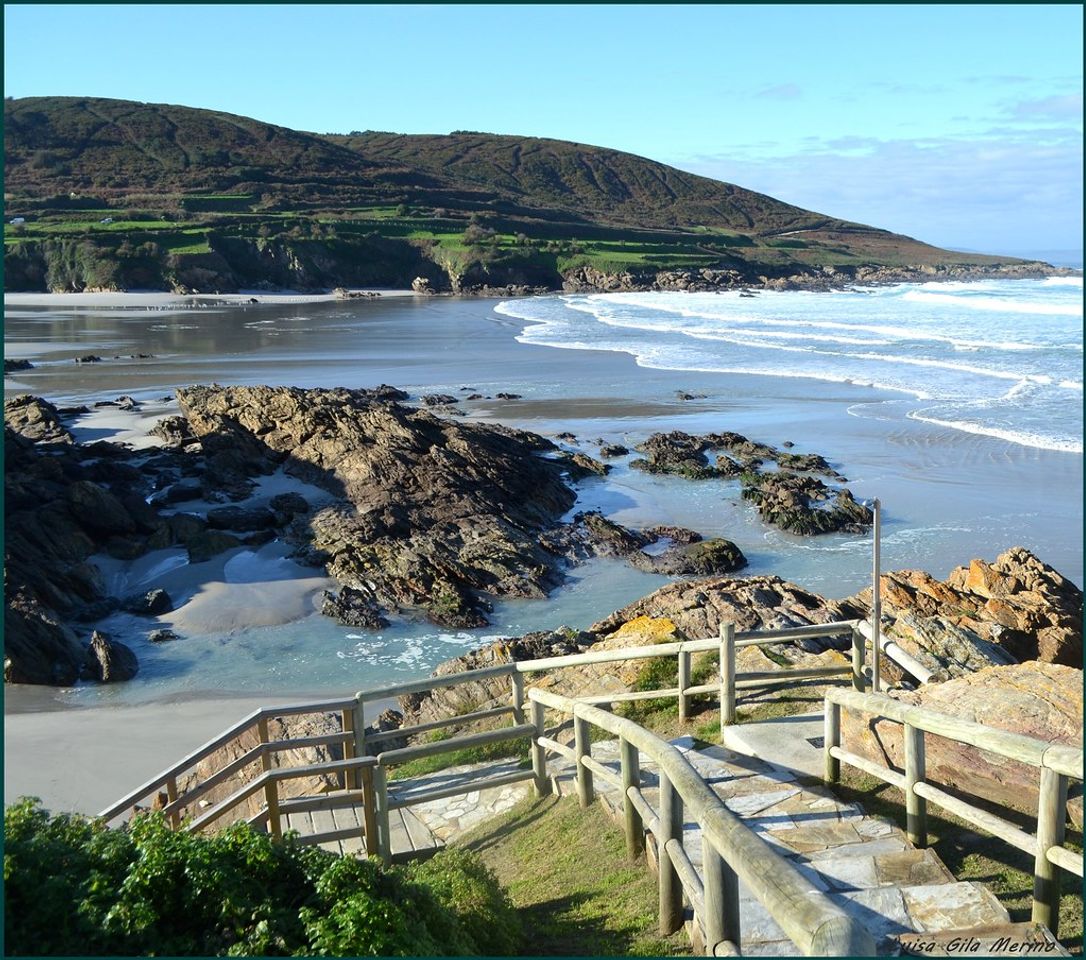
115	194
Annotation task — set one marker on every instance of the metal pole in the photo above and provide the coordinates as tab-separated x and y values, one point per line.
876	597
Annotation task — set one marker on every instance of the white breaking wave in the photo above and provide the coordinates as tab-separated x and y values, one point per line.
996	357
1062	282
996	304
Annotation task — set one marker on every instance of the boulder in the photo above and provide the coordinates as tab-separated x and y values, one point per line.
286	506
1016	603
1035	699
109	661
241	519
803	504
610	450
439	399
38	648
12	366
173	432
704	558
353	608
149	604
161	636
35	419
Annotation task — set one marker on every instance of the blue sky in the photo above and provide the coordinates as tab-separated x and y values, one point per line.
960	125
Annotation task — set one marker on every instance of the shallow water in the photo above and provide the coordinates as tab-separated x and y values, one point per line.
948	494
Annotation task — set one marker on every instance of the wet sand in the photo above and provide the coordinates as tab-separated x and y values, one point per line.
78	760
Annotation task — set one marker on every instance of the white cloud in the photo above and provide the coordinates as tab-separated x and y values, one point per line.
783	91
984	194
1066	106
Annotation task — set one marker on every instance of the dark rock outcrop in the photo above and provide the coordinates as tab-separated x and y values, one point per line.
109	661
804	504
353	608
704	558
149	604
36	419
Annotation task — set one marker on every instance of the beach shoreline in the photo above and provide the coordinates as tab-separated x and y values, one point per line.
155	299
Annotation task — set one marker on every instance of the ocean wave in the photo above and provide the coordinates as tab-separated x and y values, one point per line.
996	304
1022	437
1062	282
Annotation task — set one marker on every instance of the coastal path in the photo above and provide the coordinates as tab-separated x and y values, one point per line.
751	855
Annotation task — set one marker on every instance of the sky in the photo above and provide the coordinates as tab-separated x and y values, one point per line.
958	125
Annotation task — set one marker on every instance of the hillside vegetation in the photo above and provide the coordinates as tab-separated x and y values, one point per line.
112	194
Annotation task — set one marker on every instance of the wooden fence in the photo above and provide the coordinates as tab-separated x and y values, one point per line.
731	851
1057	764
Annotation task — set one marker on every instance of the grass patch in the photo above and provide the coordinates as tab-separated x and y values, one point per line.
566	871
507	749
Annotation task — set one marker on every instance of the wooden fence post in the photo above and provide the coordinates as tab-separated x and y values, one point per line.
1051	825
858	656
721	918
916	807
271	788
727	675
631	777
350	777
380	798
369	811
517	682
171	795
539	753
671	828
684	681
583	748
832	738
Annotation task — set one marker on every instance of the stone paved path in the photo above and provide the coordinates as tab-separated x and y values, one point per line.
865	865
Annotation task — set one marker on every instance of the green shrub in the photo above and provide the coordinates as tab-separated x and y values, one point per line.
74	887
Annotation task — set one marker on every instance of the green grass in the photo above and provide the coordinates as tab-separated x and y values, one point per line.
566	872
423	766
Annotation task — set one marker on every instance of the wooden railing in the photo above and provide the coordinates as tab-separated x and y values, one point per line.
364	778
1056	762
731	851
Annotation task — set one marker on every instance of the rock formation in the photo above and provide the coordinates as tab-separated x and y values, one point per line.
1041	700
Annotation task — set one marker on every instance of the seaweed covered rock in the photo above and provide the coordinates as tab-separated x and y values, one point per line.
803	504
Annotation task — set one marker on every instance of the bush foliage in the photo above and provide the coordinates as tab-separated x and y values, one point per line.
74	887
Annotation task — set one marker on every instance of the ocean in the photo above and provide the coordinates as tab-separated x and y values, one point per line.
1001	358
959	405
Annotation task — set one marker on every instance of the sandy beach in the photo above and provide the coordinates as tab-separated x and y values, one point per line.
82	760
162	300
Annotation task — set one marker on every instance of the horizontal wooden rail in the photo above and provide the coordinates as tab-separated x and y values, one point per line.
1057	763
1004	743
631	695
418	728
650	819
997	826
520	731
688	875
1065	859
189	797
438	683
602	770
300	743
555	747
891	776
412	798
